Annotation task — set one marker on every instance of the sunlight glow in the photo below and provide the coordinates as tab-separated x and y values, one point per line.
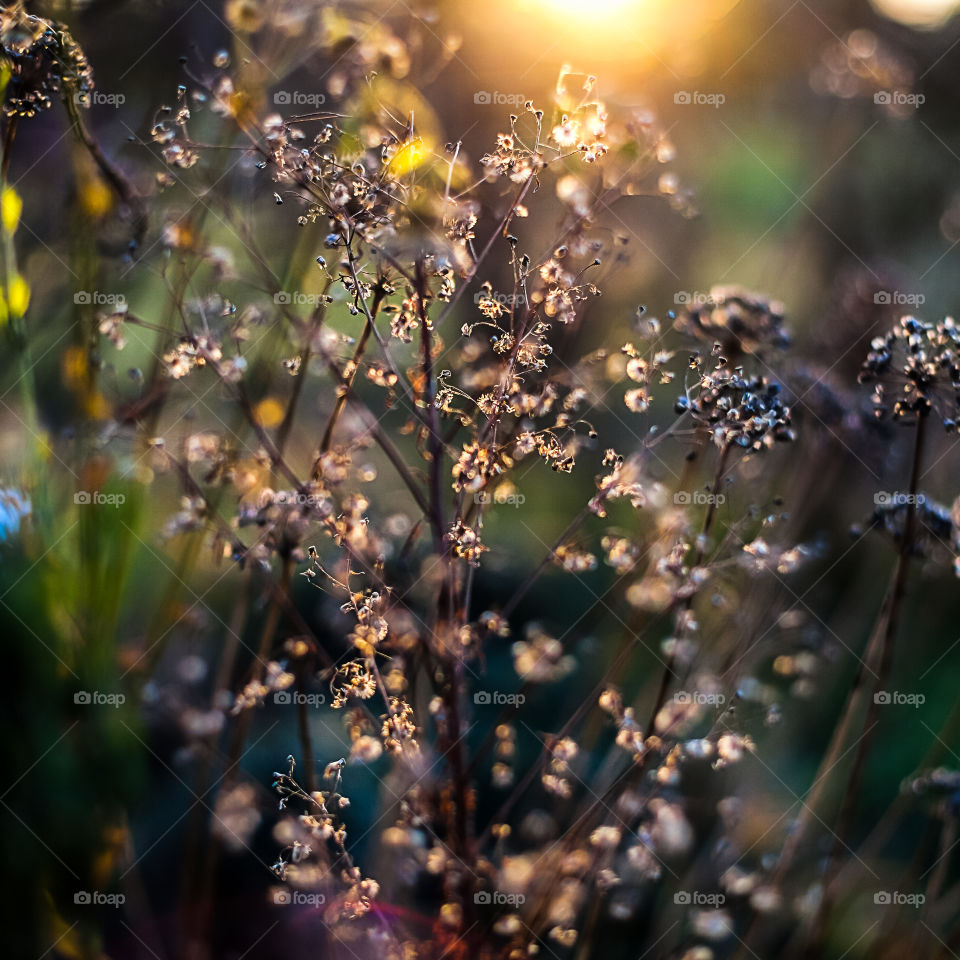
590	9
923	14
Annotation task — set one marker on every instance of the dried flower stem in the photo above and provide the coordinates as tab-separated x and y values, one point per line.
669	673
316	322
887	644
350	370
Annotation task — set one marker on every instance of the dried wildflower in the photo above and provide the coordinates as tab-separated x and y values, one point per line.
276	678
936	530
637	400
712	924
605	838
45	63
466	543
732	747
111	326
573	559
923	359
758	555
740	321
623	482
670	833
352	679
620	553
739	410
475	467
236	816
494	623
540	658
643	861
629	735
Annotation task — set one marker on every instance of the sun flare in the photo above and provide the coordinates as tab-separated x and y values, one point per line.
592	10
929	14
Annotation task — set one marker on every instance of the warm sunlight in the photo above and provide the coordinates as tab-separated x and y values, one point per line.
625	35
593	11
918	13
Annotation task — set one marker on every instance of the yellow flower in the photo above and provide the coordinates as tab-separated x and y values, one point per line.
410	156
10	206
18	295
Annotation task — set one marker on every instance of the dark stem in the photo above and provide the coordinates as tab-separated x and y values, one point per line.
882	645
350	370
886	654
444	640
303	730
8	138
